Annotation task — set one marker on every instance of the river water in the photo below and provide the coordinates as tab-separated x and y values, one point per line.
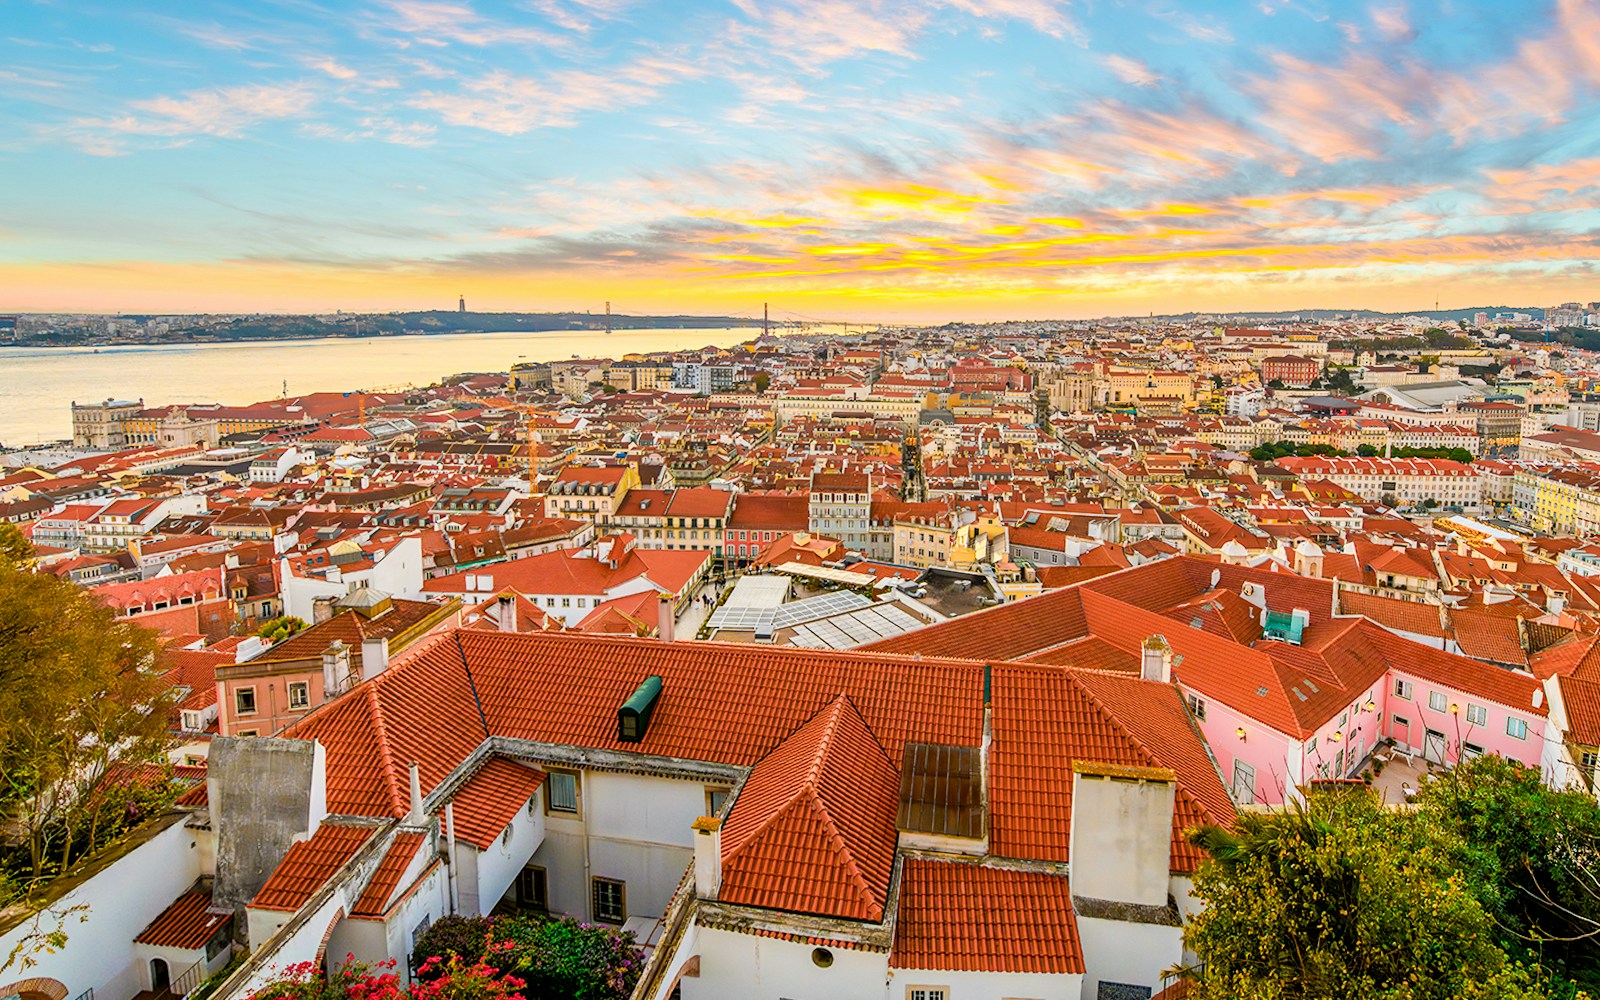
38	385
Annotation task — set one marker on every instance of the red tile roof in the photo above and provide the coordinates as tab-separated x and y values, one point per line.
722	702
1582	701
813	828
1045	718
188	923
965	917
375	898
308	866
491	799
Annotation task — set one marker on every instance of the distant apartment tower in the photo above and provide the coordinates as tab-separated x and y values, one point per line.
461	304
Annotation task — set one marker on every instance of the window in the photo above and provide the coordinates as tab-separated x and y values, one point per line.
1470	750
561	792
1588	759
1437	701
927	993
510	831
1477	715
244	701
533	888
299	694
191	720
1244	782
1402	689
715	799
610	900
1517	729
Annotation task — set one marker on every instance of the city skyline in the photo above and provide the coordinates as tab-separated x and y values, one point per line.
851	159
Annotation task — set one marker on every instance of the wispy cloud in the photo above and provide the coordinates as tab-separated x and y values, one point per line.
436	22
1130	71
511	105
226	112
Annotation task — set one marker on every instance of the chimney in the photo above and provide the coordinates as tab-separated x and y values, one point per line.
414	817
321	609
336	668
1556	604
707	857
506	613
1155	660
666	617
1120	844
374	657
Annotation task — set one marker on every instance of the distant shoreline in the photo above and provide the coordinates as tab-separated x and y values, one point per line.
299	328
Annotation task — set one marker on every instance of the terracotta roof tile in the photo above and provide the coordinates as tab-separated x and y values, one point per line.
491	799
722	702
966	917
813	828
187	923
1045	718
375	898
1582	701
308	866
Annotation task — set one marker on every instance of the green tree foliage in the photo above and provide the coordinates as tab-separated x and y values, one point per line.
1288	449
1490	888
1538	854
281	627
82	700
1339	899
15	550
556	958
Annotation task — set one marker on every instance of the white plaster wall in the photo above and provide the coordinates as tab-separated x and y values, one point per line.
1122	952
431	900
363	939
736	966
301	946
986	985
122	899
497	867
562	857
1121	838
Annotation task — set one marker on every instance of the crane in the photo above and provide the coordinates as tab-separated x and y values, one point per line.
531	413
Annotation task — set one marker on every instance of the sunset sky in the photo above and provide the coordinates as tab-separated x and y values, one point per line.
854	159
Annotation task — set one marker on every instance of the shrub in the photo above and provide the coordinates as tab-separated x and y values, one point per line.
452	936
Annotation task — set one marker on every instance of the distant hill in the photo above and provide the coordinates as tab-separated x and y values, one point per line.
1444	315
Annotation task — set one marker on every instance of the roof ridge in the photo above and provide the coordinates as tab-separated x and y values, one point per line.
841	846
1106	712
381	731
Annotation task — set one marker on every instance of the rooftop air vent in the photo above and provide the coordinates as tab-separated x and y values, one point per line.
633	718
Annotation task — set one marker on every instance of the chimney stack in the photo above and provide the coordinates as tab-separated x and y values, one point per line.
666	617
506	613
1120	843
1155	660
336	668
707	857
414	817
374	657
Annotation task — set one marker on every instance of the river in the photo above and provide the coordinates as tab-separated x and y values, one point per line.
38	385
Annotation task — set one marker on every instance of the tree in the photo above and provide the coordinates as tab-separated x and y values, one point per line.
281	627
1340	899
1539	852
15	550
81	695
762	380
1368	451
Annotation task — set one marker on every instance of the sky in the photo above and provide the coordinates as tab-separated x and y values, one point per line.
885	160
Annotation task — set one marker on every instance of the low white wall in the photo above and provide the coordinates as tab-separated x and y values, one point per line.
121	900
736	966
1122	952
